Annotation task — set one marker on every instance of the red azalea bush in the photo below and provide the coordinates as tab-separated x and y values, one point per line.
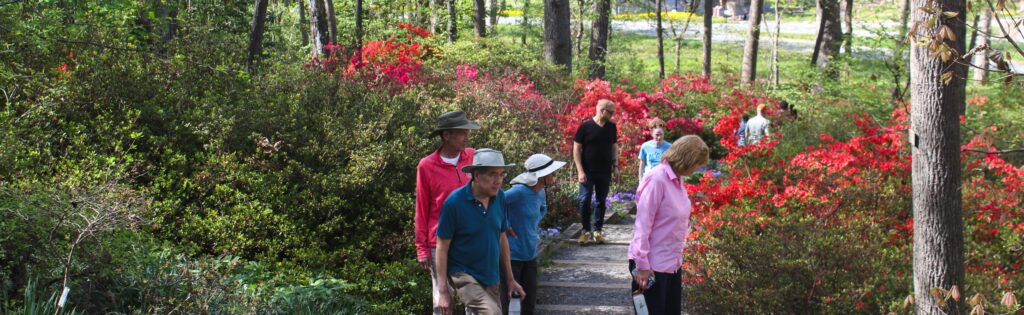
829	230
395	63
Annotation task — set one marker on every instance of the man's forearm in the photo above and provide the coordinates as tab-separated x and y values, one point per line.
577	156
442	262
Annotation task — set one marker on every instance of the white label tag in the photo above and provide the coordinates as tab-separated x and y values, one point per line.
64	297
640	304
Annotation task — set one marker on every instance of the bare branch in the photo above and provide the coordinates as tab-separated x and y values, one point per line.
1018	150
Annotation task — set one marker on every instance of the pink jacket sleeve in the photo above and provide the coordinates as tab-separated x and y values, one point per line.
649	198
422	217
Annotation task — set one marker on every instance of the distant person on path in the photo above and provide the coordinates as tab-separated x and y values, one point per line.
663	223
471	243
527	205
437	175
651	151
757	128
742	130
595	152
790	110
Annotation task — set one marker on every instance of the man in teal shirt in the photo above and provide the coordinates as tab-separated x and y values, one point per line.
471	243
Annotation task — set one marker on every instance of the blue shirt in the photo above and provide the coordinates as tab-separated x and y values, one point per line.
741	132
650	154
474	233
525	210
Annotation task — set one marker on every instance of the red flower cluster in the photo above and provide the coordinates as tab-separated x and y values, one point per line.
388	63
685	126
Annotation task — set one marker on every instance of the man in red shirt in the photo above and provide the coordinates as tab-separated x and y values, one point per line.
437	175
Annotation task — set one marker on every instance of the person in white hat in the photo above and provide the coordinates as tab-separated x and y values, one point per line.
471	242
527	205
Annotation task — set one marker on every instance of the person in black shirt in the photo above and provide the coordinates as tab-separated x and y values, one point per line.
595	151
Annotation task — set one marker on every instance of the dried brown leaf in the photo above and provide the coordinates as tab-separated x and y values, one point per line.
1001	5
949	33
947	78
954	293
907	302
978	310
1008	300
950	14
978	298
938	293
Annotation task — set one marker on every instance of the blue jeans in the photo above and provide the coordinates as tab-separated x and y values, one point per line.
596	184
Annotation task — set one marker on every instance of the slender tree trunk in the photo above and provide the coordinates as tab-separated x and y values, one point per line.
707	38
526	21
904	16
494	15
749	72
332	20
303	23
453	22
661	40
259	18
775	46
820	35
480	18
169	17
359	27
848	20
981	57
936	105
579	28
599	31
318	27
557	36
833	32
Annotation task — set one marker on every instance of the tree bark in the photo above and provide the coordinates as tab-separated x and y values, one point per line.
526	22
480	18
557	37
303	22
775	47
318	27
453	22
661	40
579	28
820	35
259	18
332	20
359	27
494	16
599	31
848	21
981	57
435	5
749	72
707	38
974	32
936	172
832	32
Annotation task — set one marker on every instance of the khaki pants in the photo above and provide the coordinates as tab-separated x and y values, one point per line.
435	288
478	298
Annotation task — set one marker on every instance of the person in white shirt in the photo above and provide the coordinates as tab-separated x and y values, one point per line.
757	128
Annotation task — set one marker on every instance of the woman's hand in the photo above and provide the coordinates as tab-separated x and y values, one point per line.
641	278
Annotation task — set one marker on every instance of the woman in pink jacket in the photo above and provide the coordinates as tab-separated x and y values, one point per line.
662	224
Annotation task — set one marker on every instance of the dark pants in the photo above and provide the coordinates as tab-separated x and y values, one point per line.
525	273
666	296
596	184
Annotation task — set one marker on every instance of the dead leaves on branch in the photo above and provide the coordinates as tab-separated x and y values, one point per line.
935	35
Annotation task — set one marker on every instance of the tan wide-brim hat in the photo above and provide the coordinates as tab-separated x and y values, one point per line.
484	158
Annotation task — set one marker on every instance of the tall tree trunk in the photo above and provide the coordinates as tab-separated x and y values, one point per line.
936	107
661	40
557	37
303	28
904	16
318	27
453	22
579	28
359	27
848	21
169	18
494	15
259	18
599	31
707	38
832	32
480	18
820	35
526	22
749	72
981	57
775	47
332	20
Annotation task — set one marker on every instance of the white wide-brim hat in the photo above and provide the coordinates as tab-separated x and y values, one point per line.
486	158
537	166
